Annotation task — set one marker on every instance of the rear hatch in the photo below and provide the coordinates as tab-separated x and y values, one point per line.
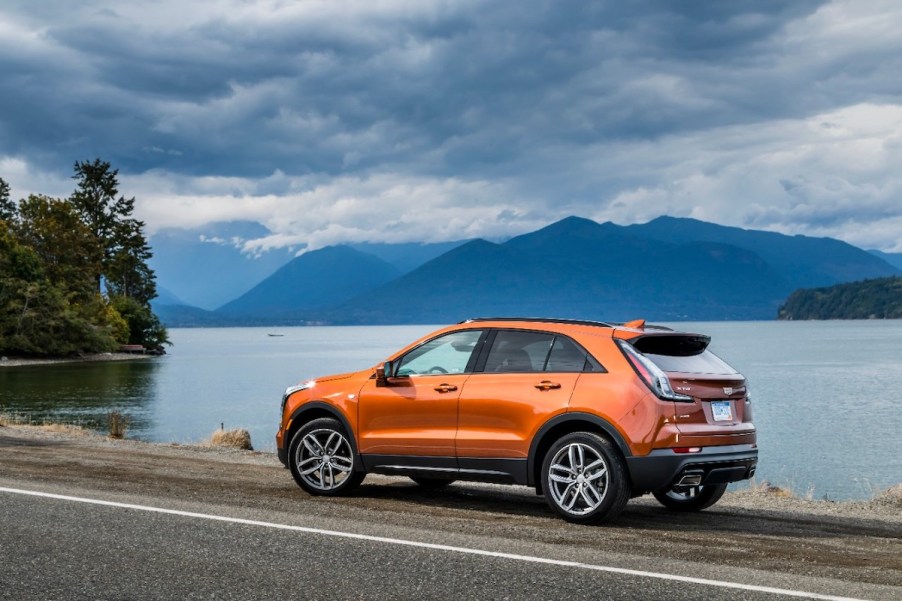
716	402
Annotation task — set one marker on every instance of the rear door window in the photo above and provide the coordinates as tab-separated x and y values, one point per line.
518	351
524	351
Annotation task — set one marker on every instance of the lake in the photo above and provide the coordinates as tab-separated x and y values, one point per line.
826	395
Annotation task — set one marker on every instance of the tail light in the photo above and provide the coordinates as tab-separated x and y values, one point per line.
656	380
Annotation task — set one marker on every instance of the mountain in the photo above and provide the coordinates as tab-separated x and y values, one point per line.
205	266
667	269
581	269
316	279
165	297
894	259
406	256
186	316
802	260
869	299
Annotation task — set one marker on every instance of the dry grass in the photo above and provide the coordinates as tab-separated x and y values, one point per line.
892	496
24	421
117	424
238	438
765	488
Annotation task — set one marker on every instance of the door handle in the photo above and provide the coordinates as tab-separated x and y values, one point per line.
547	385
445	388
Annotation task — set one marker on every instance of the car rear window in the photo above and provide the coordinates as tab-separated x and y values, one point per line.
687	354
705	362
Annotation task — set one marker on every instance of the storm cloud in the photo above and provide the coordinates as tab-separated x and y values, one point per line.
430	120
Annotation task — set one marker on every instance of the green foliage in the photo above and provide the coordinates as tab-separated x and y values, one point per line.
68	252
54	256
7	206
35	317
868	299
143	326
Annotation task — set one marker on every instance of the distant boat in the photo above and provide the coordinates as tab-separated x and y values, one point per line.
273	334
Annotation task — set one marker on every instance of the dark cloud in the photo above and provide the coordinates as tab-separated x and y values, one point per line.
533	94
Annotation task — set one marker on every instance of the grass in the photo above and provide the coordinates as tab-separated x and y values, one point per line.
237	438
21	419
117	424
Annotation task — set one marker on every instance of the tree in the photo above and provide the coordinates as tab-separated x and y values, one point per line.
35	316
130	282
7	206
68	251
144	327
127	272
95	200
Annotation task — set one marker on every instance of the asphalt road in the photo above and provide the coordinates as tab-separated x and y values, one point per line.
247	532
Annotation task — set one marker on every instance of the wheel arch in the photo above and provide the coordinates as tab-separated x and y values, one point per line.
314	410
562	425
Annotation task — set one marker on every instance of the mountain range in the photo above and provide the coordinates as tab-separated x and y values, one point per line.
667	269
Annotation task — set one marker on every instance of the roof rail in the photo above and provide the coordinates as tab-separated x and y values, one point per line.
576	322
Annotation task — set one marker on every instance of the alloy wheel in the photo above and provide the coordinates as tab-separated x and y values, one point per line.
578	478
324	459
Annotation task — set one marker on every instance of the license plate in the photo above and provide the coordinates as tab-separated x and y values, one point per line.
722	411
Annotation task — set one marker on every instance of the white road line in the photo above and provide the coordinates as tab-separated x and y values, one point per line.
435	547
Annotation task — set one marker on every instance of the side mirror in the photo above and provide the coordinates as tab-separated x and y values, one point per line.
383	373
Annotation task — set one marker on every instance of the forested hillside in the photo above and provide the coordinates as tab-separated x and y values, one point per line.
73	271
868	299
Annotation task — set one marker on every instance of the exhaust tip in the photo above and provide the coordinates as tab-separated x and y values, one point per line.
690	480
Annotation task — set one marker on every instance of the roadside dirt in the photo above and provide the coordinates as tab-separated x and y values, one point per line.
852	541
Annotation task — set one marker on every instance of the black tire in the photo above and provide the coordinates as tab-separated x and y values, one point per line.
431	483
690	498
584	479
339	473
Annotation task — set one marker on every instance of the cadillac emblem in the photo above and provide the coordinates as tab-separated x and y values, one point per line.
727	390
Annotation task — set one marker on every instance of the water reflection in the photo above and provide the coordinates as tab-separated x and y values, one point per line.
82	393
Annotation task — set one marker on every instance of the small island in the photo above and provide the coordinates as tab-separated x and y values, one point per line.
74	277
867	299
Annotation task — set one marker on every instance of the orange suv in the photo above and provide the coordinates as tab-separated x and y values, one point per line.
588	413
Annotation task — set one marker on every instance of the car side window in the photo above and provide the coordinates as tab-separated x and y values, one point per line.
566	356
518	351
448	354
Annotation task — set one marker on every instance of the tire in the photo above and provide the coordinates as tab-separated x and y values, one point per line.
322	460
690	498
431	483
584	479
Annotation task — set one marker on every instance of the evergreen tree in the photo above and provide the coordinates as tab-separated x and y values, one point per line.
7	206
127	272
68	251
35	317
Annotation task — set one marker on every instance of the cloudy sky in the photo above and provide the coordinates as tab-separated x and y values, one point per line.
400	120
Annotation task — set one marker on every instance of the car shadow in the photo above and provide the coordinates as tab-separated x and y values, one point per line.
642	514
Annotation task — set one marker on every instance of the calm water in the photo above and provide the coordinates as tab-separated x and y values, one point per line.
826	395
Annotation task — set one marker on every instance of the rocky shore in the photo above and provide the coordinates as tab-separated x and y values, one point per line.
25	362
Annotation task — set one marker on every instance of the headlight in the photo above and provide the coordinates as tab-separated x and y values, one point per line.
293	389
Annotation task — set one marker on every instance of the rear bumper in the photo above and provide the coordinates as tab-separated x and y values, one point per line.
662	468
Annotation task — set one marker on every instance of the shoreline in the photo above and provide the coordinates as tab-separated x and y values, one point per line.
885	505
92	358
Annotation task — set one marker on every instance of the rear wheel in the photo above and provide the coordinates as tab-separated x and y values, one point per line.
431	483
584	479
322	460
690	498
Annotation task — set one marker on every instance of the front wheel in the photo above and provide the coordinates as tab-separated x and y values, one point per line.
321	459
584	479
690	498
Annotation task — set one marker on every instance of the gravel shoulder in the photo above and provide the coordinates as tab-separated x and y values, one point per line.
844	547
